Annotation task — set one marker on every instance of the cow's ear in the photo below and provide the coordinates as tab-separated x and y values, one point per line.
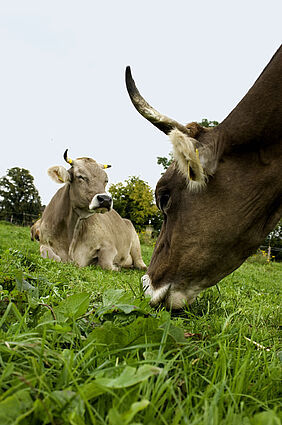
59	174
190	159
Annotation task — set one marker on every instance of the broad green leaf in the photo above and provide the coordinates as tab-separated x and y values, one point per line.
118	300
114	296
61	329
109	335
74	306
266	418
24	285
115	337
116	418
61	405
176	333
144	330
134	408
69	404
125	308
129	376
14	406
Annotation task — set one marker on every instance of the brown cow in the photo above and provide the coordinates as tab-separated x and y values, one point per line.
80	225
221	196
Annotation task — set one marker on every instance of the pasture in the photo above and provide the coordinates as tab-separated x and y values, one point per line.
83	346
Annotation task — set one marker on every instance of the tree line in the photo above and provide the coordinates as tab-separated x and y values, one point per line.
20	202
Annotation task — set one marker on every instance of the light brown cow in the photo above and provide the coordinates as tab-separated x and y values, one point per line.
79	224
221	196
35	230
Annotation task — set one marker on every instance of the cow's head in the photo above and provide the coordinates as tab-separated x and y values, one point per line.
221	196
87	182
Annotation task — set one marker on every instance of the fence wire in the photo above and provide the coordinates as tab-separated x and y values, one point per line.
21	219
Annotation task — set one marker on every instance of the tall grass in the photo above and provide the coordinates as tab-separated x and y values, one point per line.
82	346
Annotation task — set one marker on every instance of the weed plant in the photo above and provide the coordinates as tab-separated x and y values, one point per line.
83	346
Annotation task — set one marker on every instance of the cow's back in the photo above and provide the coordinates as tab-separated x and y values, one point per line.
111	233
109	226
54	229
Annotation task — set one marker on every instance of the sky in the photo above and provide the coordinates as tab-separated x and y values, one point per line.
62	76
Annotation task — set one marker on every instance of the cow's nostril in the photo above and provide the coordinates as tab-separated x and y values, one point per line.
100	198
104	198
104	201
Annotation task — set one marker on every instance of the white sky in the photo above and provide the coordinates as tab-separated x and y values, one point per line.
62	76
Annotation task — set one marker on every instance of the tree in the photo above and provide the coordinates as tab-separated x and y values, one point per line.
207	123
19	199
165	162
134	200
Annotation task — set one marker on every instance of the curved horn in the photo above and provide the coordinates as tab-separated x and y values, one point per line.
162	122
68	160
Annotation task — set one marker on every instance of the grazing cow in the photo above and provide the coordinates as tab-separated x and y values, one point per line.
35	230
80	225
221	196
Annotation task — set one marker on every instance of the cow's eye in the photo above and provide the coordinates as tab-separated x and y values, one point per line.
163	201
81	178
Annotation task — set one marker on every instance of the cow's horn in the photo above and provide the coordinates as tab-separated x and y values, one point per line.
162	122
68	160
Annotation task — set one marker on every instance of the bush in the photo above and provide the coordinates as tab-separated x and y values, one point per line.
134	200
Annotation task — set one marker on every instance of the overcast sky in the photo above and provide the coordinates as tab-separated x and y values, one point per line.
62	76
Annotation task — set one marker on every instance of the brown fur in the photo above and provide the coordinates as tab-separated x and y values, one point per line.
207	235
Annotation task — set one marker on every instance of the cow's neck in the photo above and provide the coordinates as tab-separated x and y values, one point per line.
77	220
63	215
75	234
257	118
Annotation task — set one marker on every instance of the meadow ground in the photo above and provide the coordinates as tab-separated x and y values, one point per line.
82	346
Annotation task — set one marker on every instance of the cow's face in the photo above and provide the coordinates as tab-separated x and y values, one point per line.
207	234
222	195
87	182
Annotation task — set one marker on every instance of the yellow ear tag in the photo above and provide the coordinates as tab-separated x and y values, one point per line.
188	170
197	153
60	178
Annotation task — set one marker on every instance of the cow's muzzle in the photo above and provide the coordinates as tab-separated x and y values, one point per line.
105	201
102	202
167	294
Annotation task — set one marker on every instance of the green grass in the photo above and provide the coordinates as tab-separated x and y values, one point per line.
82	346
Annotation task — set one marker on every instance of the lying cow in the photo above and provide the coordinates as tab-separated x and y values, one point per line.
79	224
221	196
35	230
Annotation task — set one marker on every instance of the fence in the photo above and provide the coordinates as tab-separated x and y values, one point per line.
22	219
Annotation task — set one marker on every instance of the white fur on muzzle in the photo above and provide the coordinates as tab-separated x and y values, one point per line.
174	299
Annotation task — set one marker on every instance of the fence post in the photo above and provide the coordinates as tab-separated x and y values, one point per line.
269	253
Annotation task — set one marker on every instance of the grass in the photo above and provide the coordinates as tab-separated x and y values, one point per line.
82	346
